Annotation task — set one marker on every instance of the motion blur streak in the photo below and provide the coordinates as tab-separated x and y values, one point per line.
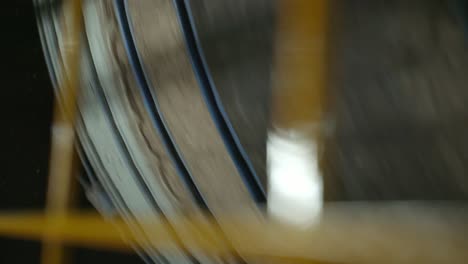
295	183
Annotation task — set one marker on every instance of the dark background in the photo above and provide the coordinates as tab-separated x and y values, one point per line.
26	112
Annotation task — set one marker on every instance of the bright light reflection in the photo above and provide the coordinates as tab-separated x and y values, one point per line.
295	193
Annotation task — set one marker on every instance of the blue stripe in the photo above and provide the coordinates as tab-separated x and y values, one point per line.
151	104
215	106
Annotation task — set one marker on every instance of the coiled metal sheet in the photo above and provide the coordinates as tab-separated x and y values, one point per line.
156	141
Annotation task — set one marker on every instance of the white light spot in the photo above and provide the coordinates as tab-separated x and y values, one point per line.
295	193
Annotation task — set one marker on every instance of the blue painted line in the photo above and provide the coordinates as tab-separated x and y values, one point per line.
91	173
151	104
215	106
123	148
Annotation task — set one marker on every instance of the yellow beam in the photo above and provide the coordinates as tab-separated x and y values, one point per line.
346	235
63	158
300	63
79	230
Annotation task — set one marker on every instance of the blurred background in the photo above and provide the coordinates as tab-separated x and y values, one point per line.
397	102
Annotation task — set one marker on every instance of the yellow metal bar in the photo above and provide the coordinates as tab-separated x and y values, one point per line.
366	234
61	185
63	158
300	63
295	185
80	230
